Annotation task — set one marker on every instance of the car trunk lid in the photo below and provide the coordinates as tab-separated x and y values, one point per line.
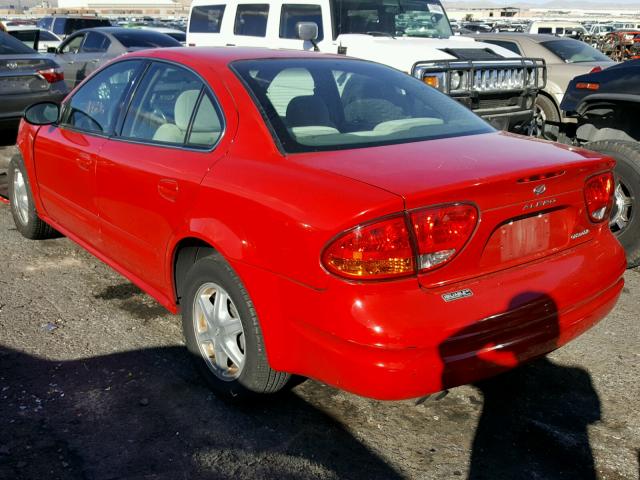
18	74
529	193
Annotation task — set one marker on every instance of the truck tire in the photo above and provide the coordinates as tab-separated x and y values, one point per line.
23	209
625	216
546	111
223	335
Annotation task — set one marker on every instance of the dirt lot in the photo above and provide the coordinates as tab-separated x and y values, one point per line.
95	383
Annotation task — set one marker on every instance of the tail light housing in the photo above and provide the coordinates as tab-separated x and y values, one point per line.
587	86
596	69
441	232
402	245
52	75
598	196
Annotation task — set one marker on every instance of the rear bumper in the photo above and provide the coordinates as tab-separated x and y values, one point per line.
395	340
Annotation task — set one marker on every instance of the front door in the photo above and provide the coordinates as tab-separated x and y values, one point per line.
66	153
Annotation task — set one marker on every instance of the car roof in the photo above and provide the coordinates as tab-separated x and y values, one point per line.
222	56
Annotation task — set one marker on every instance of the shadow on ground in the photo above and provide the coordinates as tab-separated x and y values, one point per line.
144	414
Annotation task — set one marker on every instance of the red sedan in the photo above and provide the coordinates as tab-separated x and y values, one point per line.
322	216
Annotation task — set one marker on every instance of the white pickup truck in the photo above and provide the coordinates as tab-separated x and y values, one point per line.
413	36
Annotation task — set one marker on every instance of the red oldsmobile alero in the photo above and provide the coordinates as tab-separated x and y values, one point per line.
322	216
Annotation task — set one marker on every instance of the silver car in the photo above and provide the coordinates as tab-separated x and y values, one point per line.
566	59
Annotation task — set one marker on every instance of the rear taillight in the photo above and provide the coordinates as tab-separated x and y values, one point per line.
598	195
441	232
388	249
596	69
52	75
374	251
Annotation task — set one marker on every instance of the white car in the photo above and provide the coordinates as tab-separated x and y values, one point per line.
27	35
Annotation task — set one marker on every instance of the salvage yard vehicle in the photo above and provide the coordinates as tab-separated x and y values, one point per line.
565	58
353	229
621	45
86	50
26	77
606	108
413	36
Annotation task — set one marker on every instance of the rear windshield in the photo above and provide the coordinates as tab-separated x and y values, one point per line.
144	39
333	104
12	46
575	51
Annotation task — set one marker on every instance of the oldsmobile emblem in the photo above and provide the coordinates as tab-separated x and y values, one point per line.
540	189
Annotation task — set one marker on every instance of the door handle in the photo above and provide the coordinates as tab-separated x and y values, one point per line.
84	162
168	189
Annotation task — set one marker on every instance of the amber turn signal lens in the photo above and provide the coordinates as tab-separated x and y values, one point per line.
376	251
432	81
587	86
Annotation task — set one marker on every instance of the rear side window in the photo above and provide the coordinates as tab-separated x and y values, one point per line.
58	26
545	30
504	44
168	98
206	19
96	42
251	20
293	14
95	106
45	23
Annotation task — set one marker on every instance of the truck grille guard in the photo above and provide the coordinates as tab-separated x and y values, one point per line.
460	77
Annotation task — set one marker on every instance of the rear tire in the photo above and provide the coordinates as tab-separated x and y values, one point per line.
546	111
625	217
223	335
23	209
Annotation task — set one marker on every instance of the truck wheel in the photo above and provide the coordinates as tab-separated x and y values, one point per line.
546	111
23	209
223	334
625	216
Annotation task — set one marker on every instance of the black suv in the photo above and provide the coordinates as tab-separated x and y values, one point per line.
606	106
64	25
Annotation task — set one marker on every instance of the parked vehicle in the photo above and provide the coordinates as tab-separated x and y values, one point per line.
621	45
414	37
26	77
36	38
605	106
86	50
65	25
565	58
558	28
202	186
600	30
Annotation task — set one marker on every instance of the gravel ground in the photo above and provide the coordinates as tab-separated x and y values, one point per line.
95	383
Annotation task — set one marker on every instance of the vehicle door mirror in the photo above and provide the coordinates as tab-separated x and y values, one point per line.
307	31
44	113
52	50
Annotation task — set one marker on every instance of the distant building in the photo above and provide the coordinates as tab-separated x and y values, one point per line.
482	13
139	7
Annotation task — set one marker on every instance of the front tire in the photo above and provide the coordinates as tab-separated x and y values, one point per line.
625	216
222	332
23	209
546	111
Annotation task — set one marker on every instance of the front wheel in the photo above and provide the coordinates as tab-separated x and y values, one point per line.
625	215
222	332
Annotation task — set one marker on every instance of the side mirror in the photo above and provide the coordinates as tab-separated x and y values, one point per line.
52	50
44	113
307	31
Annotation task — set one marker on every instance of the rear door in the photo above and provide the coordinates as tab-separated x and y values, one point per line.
148	176
65	155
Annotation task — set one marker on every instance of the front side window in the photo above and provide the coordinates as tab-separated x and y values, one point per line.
206	19
545	30
293	14
47	36
96	42
73	45
314	105
574	51
163	107
45	23
95	106
402	18
58	26
251	20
